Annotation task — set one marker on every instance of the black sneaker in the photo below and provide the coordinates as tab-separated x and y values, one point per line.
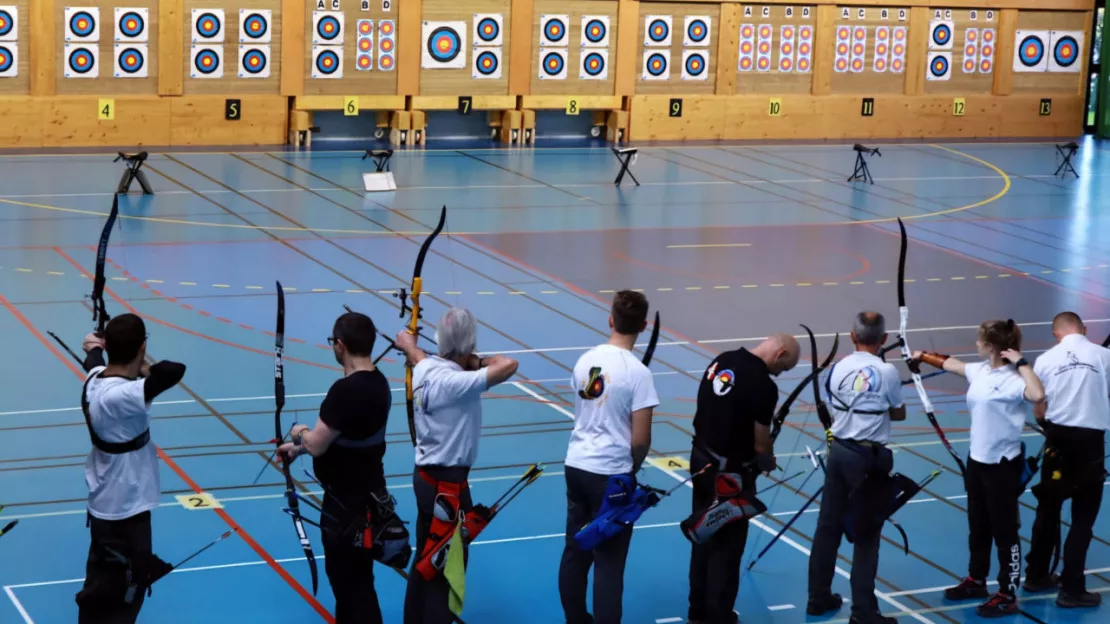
967	589
1072	600
1041	583
873	618
821	606
999	605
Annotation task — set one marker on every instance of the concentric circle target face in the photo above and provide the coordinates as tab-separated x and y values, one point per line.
131	24
131	61
486	63
256	26
81	61
327	62
444	44
593	64
1065	51
82	23
206	62
254	62
209	25
1031	51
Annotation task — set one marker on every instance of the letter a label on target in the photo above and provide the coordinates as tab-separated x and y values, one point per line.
444	45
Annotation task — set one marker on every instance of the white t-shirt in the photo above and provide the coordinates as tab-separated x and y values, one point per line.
862	382
126	484
996	400
447	410
611	383
1076	378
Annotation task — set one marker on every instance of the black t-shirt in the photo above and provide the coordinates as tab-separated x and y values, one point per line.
735	392
358	407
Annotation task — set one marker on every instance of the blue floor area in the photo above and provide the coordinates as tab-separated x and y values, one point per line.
729	242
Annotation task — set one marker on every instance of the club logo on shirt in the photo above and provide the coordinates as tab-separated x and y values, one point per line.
866	380
595	385
711	371
723	382
1073	364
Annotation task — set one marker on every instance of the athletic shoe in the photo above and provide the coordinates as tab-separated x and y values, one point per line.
692	620
1071	600
1041	583
999	605
874	618
967	589
821	606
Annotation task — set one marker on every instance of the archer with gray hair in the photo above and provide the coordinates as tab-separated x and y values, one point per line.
447	392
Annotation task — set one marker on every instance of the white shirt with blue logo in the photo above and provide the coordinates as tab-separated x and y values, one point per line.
863	382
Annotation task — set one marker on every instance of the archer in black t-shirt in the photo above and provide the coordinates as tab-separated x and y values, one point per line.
347	445
736	392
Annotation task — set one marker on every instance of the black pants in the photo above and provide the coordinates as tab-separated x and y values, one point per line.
1082	453
992	515
715	565
845	471
102	598
426	602
350	569
585	491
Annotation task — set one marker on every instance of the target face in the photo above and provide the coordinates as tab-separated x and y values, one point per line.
7	61
843	34
554	30
694	65
81	61
763	63
131	61
385	28
254	62
595	31
1031	51
82	24
488	30
764	32
327	62
594	65
697	31
328	28
553	63
1065	51
942	35
747	31
939	66
444	44
209	25
364	62
131	24
803	65
746	63
256	26
841	64
657	64
7	24
897	65
206	62
487	63
386	45
985	66
385	62
657	30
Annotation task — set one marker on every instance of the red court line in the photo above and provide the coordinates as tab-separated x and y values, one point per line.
240	531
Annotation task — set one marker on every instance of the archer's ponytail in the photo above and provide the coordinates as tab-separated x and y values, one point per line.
1001	335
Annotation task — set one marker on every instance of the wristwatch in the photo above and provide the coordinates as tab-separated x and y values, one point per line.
1020	363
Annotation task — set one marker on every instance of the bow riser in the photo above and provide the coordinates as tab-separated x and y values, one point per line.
416	289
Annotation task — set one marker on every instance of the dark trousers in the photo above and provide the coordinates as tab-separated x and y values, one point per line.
350	569
426	601
1082	453
113	542
844	472
585	491
992	516
715	565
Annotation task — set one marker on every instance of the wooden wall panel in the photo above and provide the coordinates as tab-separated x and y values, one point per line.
675	83
106	83
461	81
960	80
520	31
354	82
199	120
170	53
868	81
231	83
627	61
773	80
22	125
1038	5
1051	82
576	9
139	120
22	49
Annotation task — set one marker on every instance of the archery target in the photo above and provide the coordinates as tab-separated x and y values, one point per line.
941	34
595	31
387	45
9	24
657	31
254	25
696	30
787	48
131	26
971	51
131	60
553	30
595	65
880	62
1030	52
898	49
553	64
487	64
206	61
387	29
81	61
254	61
208	26
364	45
859	49
386	61
986	50
763	47
82	24
327	27
487	30
444	45
939	67
695	65
1064	51
746	61
805	49
843	49
327	62
9	60
656	66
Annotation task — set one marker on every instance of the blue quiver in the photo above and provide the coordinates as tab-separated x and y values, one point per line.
622	506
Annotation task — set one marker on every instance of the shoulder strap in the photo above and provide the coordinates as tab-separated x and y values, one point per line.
112	448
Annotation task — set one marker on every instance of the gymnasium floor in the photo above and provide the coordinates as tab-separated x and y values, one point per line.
728	242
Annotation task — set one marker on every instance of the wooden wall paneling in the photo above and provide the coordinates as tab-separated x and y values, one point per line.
1085	53
728	42
917	51
106	83
575	9
961	81
1047	5
409	45
675	83
42	47
520	51
625	54
703	116
461	81
823	50
868	81
23	121
171	56
354	82
1051	82
774	80
230	83
23	48
1004	54
71	121
293	48
199	120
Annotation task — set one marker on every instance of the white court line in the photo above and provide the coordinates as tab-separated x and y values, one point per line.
18	605
882	596
782	607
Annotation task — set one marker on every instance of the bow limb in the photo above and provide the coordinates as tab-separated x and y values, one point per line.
784	409
650	351
415	290
907	355
100	313
818	402
279	402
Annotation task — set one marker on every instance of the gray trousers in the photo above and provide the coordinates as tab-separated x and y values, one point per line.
845	471
426	601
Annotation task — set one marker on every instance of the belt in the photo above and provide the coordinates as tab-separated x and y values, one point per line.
867	443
